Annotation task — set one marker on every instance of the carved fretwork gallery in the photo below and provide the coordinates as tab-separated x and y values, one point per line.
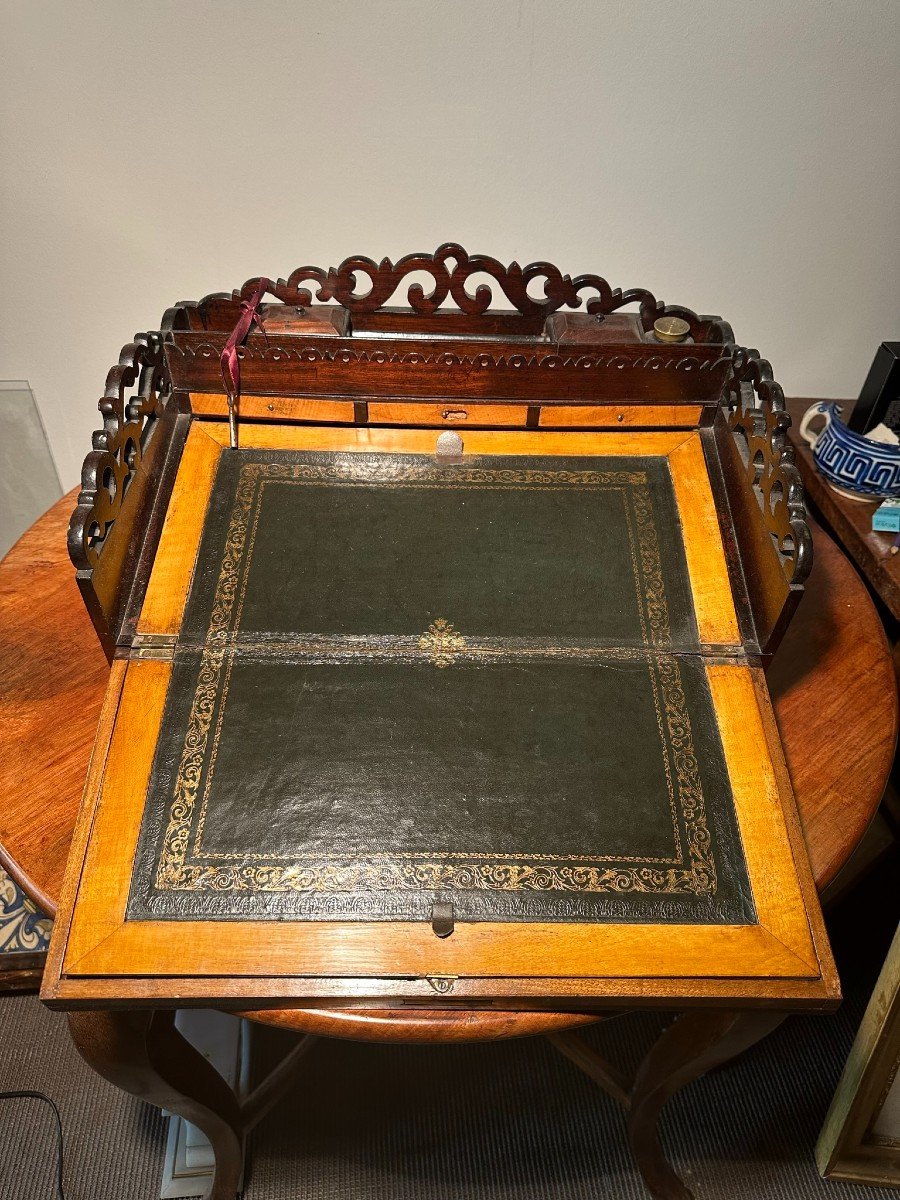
451	268
335	340
760	421
142	434
128	424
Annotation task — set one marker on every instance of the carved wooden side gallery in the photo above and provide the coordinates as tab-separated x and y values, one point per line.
129	422
759	421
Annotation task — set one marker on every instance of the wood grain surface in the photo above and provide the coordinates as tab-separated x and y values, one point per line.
835	697
53	674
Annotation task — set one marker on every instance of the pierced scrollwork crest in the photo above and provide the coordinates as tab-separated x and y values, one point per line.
451	268
128	424
759	422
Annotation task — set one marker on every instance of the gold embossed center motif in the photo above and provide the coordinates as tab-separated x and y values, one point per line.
442	642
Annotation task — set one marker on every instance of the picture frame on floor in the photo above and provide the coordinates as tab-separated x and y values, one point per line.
860	1139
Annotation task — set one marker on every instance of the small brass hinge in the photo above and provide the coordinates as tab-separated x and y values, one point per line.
154	645
442	983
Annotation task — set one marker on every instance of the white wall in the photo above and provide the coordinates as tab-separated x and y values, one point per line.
737	157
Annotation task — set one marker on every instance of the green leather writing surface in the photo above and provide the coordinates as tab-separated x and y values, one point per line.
401	682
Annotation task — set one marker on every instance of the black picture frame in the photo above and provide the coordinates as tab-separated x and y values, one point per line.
879	400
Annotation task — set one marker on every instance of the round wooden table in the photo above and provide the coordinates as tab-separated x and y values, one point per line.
835	700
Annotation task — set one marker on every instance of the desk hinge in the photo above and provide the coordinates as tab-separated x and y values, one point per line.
153	645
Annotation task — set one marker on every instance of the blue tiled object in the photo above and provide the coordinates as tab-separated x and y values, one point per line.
22	927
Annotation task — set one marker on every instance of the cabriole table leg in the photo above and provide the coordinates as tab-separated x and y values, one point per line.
696	1041
143	1053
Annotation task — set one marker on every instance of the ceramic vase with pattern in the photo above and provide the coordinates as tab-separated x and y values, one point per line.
851	463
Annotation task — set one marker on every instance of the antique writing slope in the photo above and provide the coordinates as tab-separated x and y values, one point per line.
397	713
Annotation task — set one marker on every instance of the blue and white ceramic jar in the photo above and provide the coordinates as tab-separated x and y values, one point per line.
849	461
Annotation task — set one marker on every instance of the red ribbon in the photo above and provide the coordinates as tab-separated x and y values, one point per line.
228	359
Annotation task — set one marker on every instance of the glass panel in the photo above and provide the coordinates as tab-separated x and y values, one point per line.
29	483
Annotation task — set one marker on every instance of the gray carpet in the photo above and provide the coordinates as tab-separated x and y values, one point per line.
511	1121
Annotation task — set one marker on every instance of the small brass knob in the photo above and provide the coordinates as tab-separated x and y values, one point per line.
671	329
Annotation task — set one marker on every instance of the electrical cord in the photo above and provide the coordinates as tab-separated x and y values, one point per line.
24	1095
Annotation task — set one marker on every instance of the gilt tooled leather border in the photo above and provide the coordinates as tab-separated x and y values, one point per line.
178	868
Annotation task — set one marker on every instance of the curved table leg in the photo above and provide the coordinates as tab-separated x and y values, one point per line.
586	1058
697	1041
143	1053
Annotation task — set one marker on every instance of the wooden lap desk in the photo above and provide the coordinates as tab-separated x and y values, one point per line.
335	648
320	778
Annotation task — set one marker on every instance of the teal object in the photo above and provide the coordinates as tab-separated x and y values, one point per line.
886	517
